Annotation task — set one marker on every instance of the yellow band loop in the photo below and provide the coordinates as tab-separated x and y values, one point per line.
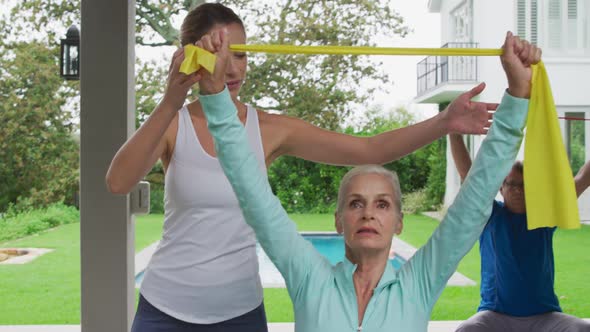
195	58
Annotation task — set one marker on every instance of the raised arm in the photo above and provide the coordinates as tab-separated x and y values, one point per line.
460	155
458	149
303	140
582	179
433	264
139	154
293	256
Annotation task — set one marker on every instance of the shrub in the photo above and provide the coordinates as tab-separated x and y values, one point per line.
415	202
15	225
156	199
156	179
304	186
436	184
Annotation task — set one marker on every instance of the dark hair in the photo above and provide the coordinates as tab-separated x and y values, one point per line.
202	18
519	167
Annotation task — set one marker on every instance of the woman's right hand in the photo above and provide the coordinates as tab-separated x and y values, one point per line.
217	42
178	83
517	58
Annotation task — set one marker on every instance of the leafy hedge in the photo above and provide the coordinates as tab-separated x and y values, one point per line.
307	187
15	225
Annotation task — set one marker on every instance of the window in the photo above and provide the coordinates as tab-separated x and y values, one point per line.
462	22
527	20
559	26
554	14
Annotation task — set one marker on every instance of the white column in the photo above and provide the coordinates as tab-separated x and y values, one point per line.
106	120
453	180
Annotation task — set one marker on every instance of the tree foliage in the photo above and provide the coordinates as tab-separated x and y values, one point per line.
322	90
304	186
38	153
38	148
149	77
412	170
318	89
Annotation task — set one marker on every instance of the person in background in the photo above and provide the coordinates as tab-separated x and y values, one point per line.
517	267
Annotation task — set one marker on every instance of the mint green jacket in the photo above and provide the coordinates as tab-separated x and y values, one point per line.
323	295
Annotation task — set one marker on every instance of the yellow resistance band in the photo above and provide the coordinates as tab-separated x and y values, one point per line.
195	57
549	185
550	191
358	50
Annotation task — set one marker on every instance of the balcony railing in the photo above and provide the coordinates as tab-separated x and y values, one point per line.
435	70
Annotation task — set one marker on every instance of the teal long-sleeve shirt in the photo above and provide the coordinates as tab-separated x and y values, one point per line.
323	295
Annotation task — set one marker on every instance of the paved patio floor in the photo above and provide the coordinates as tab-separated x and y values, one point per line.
435	326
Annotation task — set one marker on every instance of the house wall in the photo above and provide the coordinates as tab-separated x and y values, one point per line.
491	20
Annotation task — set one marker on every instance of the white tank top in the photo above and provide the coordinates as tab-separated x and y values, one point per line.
205	269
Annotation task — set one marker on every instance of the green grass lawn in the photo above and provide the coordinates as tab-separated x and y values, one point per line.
50	285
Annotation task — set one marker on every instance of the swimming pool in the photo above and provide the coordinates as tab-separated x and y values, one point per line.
330	245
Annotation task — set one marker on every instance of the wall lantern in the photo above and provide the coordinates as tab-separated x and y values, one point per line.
69	61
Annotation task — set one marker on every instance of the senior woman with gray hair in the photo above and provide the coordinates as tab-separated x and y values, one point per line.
364	292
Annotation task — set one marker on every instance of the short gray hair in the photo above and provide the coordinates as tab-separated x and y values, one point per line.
391	176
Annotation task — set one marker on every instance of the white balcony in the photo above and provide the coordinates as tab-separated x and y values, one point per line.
442	78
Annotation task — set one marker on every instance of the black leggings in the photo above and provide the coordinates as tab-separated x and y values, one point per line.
149	319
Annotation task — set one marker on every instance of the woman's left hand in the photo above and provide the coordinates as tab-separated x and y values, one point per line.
464	116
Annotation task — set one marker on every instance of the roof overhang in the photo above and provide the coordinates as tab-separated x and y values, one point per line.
443	93
434	6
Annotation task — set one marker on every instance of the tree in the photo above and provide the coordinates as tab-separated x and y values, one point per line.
412	170
149	75
319	89
303	186
38	154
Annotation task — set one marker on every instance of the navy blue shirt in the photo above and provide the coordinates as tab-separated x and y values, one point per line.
517	270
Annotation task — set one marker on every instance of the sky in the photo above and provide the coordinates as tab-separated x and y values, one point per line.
426	33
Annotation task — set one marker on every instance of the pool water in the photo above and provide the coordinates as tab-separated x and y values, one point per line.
330	246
